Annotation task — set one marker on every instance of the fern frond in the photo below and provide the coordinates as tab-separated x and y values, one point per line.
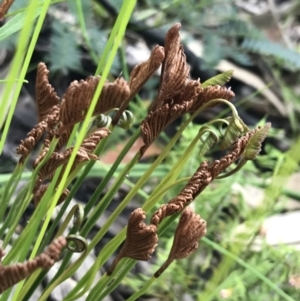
220	79
87	11
64	53
212	53
289	58
240	57
238	28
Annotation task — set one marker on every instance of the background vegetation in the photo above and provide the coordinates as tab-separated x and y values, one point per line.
235	261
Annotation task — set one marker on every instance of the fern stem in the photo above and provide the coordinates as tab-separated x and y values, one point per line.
18	61
111	172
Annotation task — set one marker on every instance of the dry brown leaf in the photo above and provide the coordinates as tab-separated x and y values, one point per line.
141	239
12	274
190	229
175	70
139	75
207	94
142	72
46	96
85	153
178	94
4	7
201	178
33	137
79	95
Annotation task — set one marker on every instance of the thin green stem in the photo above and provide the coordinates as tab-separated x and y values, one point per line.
158	192
143	290
112	286
122	20
84	31
10	188
36	217
18	61
111	172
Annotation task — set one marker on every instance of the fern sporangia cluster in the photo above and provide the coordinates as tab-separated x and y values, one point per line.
177	95
142	240
14	273
57	117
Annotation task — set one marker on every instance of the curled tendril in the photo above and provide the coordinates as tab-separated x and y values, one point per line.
209	141
78	216
102	121
76	243
126	120
220	125
206	129
235	129
252	148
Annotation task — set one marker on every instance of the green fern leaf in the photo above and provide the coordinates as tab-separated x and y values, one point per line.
220	79
64	53
254	145
289	58
240	57
234	130
238	28
209	141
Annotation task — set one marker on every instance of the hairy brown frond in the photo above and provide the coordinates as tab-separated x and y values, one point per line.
85	153
77	100
199	181
207	94
175	70
166	113
33	137
46	96
58	159
142	72
139	75
177	94
79	95
90	143
141	239
31	140
12	274
190	229
4	7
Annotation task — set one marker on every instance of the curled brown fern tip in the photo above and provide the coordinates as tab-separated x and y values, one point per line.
4	7
174	83
33	137
201	179
175	70
139	75
12	274
140	242
177	94
46	97
205	95
79	95
190	229
142	72
85	153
